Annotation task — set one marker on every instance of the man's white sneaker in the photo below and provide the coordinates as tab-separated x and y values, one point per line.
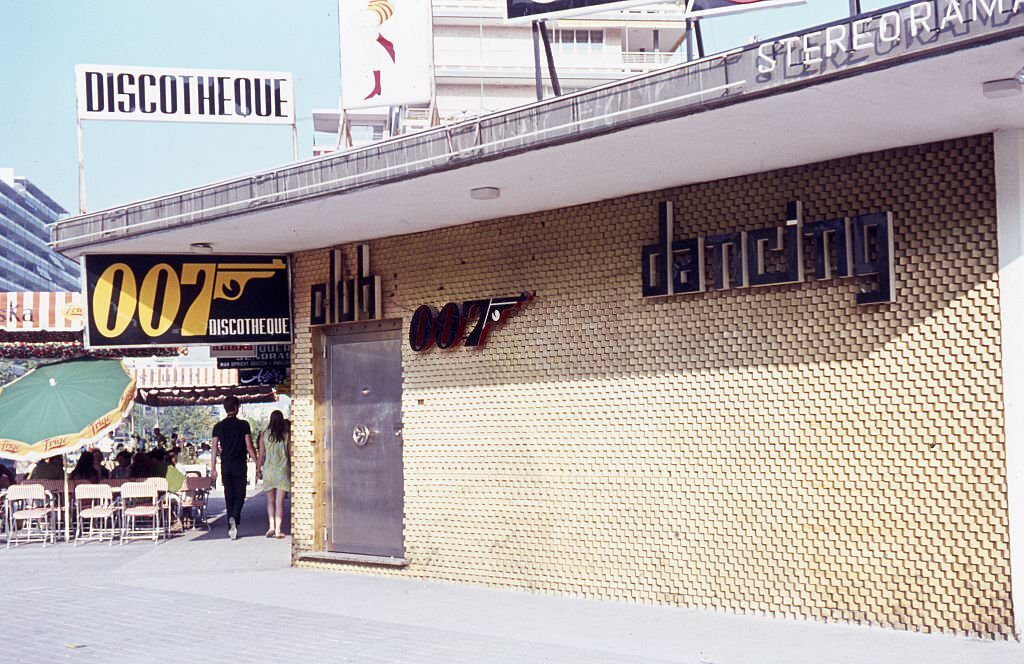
232	528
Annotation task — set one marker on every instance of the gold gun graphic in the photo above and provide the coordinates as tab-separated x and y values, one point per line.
231	281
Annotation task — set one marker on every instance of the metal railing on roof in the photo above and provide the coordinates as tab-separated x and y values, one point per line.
671	92
571	117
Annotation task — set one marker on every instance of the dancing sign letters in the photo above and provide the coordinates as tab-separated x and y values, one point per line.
846	247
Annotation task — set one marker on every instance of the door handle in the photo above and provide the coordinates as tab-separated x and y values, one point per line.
361	435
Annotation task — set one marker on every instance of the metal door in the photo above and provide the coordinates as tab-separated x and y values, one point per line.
364	389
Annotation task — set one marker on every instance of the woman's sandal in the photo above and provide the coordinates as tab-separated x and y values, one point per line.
280	536
270	533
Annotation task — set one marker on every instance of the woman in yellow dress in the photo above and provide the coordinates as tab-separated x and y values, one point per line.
275	448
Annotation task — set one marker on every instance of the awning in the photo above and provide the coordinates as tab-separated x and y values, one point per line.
184	377
203	396
41	311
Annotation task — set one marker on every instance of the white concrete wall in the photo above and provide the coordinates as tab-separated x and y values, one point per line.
477	45
1009	167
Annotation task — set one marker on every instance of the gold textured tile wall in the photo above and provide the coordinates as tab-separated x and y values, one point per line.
780	451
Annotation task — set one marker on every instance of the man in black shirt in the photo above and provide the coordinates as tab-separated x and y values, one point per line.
232	439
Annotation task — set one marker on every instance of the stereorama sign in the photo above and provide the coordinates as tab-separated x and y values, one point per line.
869	38
181	300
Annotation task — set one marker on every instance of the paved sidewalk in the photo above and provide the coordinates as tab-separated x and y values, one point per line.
204	597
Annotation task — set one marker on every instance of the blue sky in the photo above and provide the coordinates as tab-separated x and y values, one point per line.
43	40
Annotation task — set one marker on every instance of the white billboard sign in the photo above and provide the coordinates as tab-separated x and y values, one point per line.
701	8
116	92
386	52
544	9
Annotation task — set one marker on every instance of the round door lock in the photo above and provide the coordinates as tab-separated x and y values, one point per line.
361	435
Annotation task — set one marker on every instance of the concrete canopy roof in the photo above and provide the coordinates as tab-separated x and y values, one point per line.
721	117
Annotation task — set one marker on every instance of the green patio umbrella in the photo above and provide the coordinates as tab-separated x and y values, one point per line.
61	407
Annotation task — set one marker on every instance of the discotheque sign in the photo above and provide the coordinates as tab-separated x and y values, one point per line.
115	92
176	300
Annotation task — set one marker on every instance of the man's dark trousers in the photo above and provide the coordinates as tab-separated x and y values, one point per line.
234	478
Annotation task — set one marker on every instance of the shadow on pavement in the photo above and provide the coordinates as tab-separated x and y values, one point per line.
209	555
254	518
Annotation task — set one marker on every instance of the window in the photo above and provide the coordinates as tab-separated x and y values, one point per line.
362	134
578	42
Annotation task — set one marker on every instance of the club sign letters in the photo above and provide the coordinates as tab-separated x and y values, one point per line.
845	247
343	300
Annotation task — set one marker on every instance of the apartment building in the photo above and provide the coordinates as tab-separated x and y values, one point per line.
483	64
27	263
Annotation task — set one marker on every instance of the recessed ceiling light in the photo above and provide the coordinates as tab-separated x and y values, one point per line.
484	193
1003	87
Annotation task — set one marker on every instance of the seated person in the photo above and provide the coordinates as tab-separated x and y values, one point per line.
85	469
7	476
188	454
158	462
97	464
49	469
175	478
141	466
123	469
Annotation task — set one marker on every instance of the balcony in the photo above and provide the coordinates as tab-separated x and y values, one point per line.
460	9
468	9
648	60
603	69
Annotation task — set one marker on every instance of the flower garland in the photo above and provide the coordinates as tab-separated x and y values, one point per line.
66	350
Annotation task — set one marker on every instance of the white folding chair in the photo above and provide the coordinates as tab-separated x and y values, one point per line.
94	503
140	511
194	494
3	512
170	502
30	515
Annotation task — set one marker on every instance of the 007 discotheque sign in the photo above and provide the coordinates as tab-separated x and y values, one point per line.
182	300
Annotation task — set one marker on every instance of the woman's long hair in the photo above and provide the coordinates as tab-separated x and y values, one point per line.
278	426
84	469
140	467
